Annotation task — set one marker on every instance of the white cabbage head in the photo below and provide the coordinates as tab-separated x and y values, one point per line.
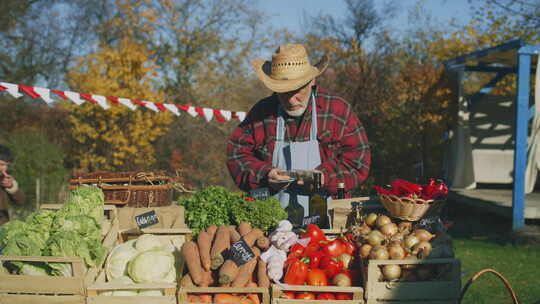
116	265
148	242
153	266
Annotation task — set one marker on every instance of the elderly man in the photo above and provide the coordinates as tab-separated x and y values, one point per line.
299	127
9	189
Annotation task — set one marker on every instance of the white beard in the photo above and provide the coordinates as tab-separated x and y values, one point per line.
296	113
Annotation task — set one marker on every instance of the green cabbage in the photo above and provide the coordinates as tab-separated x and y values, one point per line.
71	244
8	230
147	242
84	225
83	200
37	269
118	259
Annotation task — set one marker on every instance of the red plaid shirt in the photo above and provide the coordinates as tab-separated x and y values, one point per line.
344	148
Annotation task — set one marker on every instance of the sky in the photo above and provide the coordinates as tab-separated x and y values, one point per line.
288	13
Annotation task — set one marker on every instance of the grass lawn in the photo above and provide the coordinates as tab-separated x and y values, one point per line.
481	241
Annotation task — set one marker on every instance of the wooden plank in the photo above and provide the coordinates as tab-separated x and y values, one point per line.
277	291
41	299
372	301
77	181
39	259
41	284
184	291
131	300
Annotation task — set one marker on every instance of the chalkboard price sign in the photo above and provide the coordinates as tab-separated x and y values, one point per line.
260	193
240	252
146	219
314	219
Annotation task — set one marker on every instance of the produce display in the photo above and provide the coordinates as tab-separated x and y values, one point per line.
215	205
146	260
72	231
210	262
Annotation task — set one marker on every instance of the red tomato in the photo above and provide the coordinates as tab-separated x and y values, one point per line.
326	296
350	249
343	296
288	295
317	277
334	248
305	296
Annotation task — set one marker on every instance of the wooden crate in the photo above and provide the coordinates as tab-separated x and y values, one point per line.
342	210
443	289
169	290
278	290
54	289
183	292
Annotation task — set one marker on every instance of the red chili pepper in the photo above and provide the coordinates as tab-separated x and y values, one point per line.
435	189
315	259
330	266
381	190
297	272
334	248
315	234
406	188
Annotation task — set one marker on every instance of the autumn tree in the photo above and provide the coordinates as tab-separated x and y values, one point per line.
118	138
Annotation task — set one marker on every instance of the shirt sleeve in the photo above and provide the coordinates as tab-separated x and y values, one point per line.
353	158
247	171
15	194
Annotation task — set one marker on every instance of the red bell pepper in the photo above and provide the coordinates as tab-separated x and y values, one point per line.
315	234
350	248
297	272
296	250
331	266
406	188
343	296
315	259
326	296
311	248
334	248
317	277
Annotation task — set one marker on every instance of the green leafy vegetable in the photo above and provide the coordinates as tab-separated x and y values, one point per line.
262	214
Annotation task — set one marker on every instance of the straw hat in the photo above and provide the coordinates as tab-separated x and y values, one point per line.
289	69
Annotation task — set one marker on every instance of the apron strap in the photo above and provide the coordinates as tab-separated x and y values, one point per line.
313	132
280	128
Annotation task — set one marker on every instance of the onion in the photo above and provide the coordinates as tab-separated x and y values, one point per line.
396	252
346	259
423	235
391	272
405	226
398	237
364	250
382	220
370	219
342	280
379	253
410	241
389	229
375	238
364	229
422	249
423	273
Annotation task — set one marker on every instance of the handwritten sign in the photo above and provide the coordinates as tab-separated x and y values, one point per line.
260	193
313	219
146	219
240	252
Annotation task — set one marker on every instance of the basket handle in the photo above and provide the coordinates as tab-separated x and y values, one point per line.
500	276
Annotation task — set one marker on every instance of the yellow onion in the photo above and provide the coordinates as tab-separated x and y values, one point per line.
405	226
363	229
396	252
410	241
391	272
379	253
422	249
423	235
389	229
370	219
375	238
382	220
364	250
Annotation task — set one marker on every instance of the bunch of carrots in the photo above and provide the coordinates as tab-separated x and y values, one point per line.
209	264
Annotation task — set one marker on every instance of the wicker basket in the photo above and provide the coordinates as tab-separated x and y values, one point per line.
134	189
410	209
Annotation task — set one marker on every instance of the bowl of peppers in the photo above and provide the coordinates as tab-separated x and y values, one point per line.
410	201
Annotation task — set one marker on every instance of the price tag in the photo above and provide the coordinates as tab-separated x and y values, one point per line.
260	193
314	219
240	252
146	219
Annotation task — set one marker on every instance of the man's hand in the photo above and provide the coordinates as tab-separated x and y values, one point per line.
277	179
6	180
302	180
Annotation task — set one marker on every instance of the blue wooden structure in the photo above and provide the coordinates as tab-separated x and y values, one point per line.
511	57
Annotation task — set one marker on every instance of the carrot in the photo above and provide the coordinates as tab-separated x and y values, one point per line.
186	281
252	236
225	298
207	280
204	241
212	230
221	242
244	228
245	300
235	236
253	296
263	242
262	274
205	298
227	272
246	270
193	261
193	299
